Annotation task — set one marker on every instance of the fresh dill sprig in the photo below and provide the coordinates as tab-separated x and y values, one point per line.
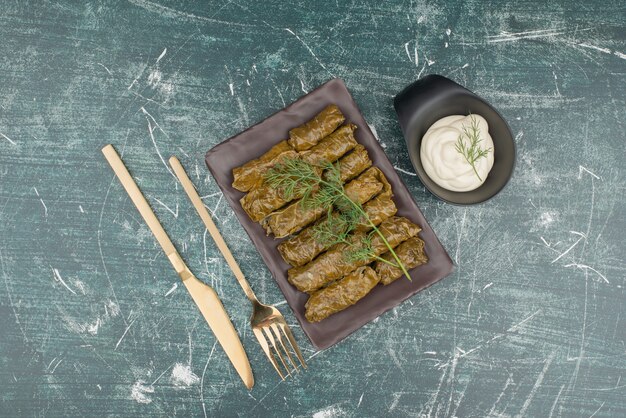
336	227
320	186
332	230
294	178
365	251
473	152
362	251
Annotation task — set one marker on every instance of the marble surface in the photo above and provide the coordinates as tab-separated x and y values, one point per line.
94	320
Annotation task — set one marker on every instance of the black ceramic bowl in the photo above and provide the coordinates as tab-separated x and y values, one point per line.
433	97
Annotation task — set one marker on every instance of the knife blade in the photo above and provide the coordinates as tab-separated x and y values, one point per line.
205	297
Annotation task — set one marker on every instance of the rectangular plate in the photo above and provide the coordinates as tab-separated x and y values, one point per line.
255	141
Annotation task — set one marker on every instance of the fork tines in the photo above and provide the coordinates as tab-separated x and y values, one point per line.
276	340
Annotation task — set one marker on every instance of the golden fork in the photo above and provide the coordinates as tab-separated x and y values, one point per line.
267	323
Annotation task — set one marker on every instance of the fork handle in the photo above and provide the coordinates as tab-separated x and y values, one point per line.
210	226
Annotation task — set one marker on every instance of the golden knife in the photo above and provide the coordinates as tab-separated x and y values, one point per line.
203	295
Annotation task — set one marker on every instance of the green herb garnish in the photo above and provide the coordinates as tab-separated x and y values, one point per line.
474	152
320	186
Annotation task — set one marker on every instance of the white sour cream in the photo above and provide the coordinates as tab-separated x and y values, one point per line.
444	164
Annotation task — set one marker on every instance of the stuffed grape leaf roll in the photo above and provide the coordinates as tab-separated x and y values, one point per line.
353	164
265	199
304	247
366	186
262	201
291	219
323	124
377	210
249	175
296	216
337	262
411	254
331	148
340	294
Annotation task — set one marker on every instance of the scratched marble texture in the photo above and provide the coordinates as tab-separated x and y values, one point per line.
94	322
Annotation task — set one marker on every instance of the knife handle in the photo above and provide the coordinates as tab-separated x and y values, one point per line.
120	170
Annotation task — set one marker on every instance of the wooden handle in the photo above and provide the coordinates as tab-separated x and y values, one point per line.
145	210
210	225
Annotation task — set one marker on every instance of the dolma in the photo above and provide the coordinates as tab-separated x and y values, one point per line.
331	148
377	210
249	175
296	216
323	124
261	201
303	248
411	254
395	230
371	182
353	164
265	199
341	294
336	263
291	219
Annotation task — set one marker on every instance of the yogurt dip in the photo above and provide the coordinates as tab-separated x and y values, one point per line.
457	152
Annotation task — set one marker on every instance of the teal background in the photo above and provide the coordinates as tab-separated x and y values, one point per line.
93	321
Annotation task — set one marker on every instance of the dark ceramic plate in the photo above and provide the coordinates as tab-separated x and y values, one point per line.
258	139
433	97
